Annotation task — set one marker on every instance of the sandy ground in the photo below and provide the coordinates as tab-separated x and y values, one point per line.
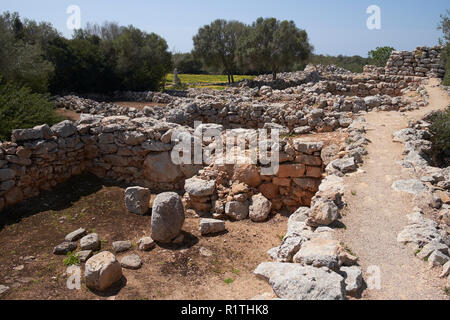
376	213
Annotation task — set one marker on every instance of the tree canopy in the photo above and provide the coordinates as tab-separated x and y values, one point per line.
275	45
217	44
380	56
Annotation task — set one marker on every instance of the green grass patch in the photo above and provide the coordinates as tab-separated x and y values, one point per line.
72	259
228	281
209	81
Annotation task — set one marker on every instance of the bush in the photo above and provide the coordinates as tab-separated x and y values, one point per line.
380	56
21	109
440	131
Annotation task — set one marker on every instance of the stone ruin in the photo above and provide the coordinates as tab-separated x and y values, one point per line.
135	146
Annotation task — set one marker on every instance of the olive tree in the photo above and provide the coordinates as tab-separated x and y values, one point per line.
274	45
217	45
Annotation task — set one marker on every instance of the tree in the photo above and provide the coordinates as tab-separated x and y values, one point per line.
142	59
21	60
444	26
380	56
187	63
217	44
275	45
20	108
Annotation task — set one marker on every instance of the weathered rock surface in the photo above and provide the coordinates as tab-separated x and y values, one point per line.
131	262
64	248
237	210
121	246
102	271
296	282
211	226
167	217
75	235
137	200
90	242
146	244
199	188
259	208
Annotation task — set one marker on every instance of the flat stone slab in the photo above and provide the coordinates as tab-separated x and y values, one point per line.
132	261
295	282
412	186
121	246
64	248
75	235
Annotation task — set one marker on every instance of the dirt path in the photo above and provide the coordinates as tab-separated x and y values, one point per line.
376	214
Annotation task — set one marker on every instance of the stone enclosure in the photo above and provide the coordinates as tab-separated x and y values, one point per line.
316	114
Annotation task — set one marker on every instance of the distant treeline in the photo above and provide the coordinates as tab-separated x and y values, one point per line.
187	63
98	58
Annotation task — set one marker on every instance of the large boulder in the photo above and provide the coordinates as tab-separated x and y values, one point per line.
102	271
259	208
158	167
295	282
167	217
137	200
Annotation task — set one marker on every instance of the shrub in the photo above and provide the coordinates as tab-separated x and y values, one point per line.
380	56
440	136
72	259
21	109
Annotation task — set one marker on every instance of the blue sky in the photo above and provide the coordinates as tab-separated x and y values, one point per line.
334	27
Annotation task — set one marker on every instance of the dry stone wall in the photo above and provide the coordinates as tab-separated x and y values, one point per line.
422	62
134	151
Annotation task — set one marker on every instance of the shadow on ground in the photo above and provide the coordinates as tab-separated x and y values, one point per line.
61	197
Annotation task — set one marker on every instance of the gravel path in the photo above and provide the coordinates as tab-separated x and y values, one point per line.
376	214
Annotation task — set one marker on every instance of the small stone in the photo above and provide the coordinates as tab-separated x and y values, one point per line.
102	271
131	262
64	248
75	235
19	268
121	246
205	252
3	290
146	244
90	242
84	255
211	226
199	188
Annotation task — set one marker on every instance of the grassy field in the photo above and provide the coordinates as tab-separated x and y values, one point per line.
204	80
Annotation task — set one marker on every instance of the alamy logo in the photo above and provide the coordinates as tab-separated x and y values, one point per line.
74	20
374	20
209	145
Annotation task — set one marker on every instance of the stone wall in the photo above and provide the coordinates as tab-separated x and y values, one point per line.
134	151
422	62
